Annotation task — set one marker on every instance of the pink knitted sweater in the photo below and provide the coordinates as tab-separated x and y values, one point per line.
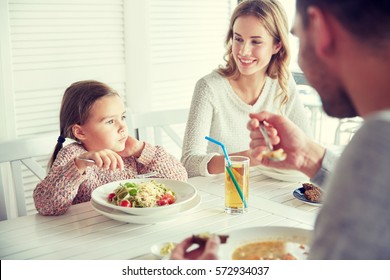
65	186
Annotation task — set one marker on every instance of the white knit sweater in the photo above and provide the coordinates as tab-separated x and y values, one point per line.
218	112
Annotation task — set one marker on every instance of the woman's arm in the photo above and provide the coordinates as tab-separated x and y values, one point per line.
194	155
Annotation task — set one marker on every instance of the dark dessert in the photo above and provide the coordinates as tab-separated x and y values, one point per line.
202	238
312	192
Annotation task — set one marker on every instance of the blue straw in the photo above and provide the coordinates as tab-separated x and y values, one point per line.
228	168
223	148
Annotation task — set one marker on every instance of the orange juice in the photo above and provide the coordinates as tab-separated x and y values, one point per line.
240	170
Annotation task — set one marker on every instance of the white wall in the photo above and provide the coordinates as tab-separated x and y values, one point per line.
151	51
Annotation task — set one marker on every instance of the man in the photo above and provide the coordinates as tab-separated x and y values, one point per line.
345	55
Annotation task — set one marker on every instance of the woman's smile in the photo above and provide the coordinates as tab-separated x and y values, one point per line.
246	61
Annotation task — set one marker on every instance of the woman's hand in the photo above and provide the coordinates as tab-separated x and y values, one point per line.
208	251
133	147
303	153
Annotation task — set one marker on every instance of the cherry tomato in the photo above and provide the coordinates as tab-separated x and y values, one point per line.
111	196
170	198
162	202
125	203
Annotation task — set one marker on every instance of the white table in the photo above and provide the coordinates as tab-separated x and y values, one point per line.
82	233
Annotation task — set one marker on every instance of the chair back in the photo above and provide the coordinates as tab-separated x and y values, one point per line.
347	126
160	127
17	156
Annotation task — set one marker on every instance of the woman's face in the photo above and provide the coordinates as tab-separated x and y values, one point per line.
252	46
105	127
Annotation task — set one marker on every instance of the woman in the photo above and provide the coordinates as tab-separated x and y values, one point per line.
255	78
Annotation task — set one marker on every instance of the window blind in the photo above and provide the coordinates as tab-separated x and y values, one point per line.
53	44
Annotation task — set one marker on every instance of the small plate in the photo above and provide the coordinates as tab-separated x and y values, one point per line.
299	194
156	250
134	219
184	193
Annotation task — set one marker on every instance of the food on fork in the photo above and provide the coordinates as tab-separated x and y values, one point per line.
276	155
312	192
202	238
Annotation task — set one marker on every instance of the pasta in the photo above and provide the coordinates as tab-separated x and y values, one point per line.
146	194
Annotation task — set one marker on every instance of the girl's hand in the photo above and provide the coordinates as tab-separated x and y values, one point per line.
303	153
105	159
133	147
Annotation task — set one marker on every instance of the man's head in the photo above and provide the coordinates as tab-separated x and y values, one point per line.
337	37
366	19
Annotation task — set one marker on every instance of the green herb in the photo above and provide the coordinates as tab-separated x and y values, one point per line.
131	185
133	192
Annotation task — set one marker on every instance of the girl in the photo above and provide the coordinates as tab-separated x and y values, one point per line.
255	78
93	115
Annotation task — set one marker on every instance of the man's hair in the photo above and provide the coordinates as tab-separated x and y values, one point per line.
368	20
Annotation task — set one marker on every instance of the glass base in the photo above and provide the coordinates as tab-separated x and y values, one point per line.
235	211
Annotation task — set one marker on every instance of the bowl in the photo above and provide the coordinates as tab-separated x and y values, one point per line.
296	239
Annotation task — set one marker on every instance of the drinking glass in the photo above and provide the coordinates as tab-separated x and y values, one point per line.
240	170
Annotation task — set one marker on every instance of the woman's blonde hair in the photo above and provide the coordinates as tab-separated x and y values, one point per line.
272	15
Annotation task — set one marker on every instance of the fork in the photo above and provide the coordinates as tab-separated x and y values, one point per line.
265	135
139	176
277	155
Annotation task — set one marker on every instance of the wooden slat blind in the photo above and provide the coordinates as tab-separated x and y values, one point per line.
186	43
55	43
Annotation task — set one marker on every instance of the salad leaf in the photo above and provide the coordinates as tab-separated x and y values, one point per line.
131	185
133	192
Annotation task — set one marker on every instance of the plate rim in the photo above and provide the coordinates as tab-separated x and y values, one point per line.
151	219
225	254
147	211
275	174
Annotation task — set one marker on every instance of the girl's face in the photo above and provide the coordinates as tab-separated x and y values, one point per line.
105	127
252	46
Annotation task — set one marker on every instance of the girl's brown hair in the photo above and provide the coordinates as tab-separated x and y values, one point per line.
75	107
273	17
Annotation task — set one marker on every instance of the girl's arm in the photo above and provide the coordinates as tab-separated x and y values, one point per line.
55	194
159	160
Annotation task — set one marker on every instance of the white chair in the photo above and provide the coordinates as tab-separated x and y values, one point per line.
313	104
160	122
162	128
15	154
348	127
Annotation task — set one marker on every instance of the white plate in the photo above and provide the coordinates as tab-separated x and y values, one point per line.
284	175
297	236
299	194
124	217
184	192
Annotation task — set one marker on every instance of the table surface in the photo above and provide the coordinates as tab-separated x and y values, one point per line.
83	233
